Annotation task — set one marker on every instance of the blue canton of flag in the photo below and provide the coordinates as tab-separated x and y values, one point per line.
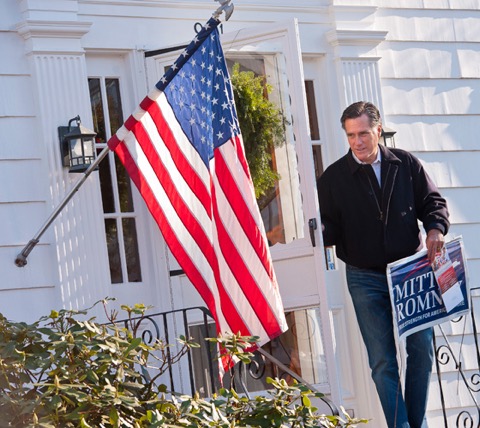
202	98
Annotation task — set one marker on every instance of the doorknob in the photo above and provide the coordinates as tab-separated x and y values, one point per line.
312	226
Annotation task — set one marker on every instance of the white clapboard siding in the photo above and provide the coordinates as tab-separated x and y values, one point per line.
434	133
14	61
434	59
32	302
38	273
30	181
16	96
452	169
430	77
20	220
433	4
19	138
431	25
432	96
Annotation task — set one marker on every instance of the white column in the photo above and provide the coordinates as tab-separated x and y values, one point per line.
58	72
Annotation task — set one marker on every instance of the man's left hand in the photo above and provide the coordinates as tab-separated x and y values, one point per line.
434	242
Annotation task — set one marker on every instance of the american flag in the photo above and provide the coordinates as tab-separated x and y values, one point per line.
183	149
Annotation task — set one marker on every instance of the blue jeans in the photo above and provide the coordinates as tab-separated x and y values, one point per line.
371	300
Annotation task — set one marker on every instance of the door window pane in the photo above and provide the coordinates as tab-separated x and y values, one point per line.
106	185
300	348
131	250
113	251
117	199
281	204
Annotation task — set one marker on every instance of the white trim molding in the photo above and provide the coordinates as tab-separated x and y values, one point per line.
53	36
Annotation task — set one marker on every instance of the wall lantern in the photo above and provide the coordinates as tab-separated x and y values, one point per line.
77	145
388	137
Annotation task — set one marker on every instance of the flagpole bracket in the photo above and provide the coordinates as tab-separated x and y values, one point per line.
226	6
21	259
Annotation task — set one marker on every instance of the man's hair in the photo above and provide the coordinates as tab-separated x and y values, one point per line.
358	109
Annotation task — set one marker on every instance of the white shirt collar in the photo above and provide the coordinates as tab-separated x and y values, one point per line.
377	160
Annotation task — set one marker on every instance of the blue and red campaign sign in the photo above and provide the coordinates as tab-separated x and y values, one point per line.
417	300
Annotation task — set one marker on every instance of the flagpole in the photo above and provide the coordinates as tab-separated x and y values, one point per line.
21	259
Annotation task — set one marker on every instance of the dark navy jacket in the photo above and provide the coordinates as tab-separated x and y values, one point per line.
371	226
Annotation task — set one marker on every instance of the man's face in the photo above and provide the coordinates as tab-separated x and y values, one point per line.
362	138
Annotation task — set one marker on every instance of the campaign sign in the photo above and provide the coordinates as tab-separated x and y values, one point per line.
416	298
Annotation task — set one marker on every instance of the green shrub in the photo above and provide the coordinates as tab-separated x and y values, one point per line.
262	126
62	371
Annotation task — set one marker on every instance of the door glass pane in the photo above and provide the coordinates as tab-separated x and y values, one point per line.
113	251
131	250
280	205
106	185
97	110
300	348
117	199
124	187
312	111
114	103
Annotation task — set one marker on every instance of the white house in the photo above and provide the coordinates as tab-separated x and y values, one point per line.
418	60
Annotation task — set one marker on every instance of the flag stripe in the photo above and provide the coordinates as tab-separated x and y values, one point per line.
242	258
174	187
237	201
180	253
187	161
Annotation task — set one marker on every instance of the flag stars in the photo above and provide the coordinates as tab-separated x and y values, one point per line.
203	98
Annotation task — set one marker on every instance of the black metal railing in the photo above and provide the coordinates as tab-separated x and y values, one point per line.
449	361
167	327
197	370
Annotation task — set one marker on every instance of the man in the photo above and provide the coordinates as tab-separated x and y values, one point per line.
371	200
